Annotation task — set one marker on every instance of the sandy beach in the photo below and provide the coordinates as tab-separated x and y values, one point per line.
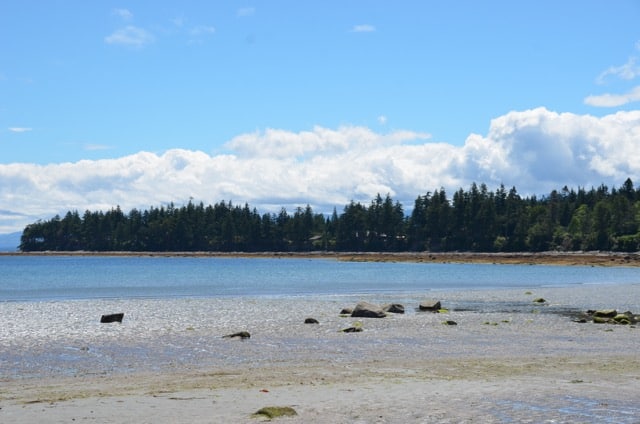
534	389
515	258
507	360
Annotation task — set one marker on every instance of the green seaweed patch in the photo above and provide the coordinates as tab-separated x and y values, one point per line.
539	300
443	311
449	322
528	293
356	327
271	412
622	319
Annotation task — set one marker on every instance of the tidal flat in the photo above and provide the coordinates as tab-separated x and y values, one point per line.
508	359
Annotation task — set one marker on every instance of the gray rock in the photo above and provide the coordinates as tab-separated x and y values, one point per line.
605	313
394	308
430	305
368	310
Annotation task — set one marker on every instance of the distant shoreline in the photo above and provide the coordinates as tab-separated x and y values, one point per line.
516	258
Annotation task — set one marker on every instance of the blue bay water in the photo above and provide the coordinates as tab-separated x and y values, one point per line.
46	278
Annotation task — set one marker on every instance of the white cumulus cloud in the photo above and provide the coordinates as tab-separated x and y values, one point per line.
534	150
19	129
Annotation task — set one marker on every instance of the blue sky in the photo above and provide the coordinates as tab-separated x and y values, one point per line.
104	95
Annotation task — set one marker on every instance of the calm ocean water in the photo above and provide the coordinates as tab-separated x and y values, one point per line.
80	278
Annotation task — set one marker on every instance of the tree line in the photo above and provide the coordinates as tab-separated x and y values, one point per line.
476	219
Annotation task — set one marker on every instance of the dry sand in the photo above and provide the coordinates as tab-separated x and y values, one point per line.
500	366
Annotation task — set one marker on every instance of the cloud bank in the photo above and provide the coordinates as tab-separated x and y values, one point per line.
534	150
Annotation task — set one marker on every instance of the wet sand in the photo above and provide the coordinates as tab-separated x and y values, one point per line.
550	389
528	364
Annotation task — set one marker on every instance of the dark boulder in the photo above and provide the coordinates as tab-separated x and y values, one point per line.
605	313
112	318
394	308
346	311
430	305
368	310
311	321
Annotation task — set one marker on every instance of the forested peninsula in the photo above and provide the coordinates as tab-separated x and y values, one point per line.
473	220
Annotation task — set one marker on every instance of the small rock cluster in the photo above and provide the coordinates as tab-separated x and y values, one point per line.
366	310
608	316
369	310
